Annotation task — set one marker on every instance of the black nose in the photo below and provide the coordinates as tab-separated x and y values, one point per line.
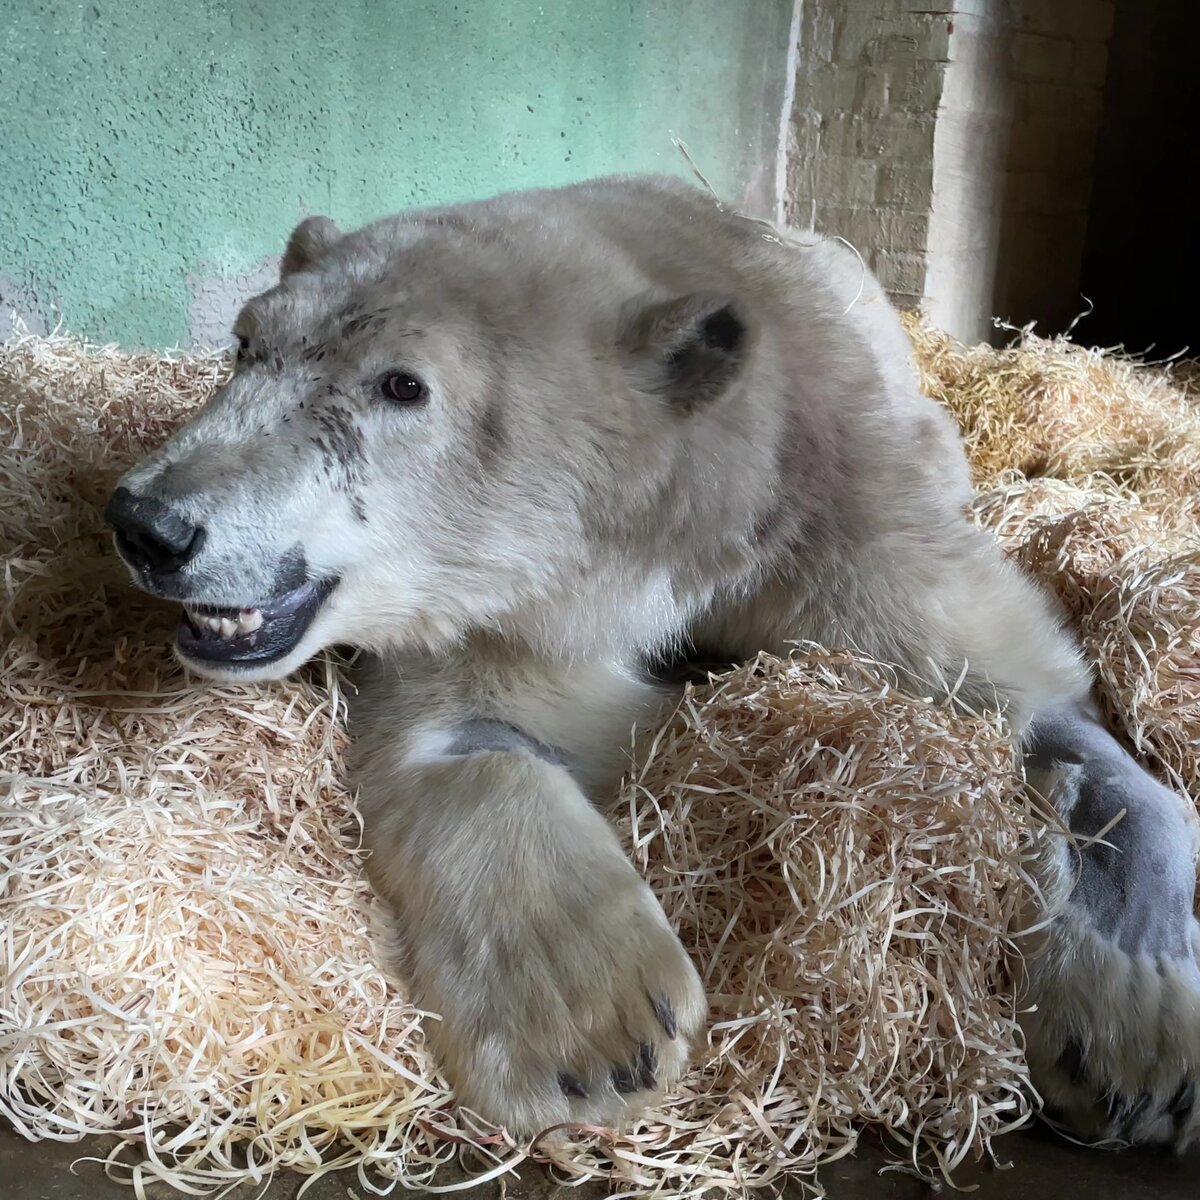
150	534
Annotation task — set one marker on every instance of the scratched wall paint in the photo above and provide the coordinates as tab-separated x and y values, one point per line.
155	154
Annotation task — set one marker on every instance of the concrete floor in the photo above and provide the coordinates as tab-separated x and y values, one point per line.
1045	1168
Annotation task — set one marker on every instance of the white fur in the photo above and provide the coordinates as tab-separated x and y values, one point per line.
647	423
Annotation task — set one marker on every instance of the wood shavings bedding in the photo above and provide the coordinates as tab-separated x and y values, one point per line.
189	957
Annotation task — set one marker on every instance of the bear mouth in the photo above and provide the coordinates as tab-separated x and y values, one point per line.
255	634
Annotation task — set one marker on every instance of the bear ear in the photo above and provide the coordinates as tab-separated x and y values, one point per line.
687	350
311	240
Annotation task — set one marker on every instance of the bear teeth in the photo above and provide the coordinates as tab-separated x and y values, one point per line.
247	621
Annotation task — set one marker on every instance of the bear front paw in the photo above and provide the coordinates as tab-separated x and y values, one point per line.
581	1012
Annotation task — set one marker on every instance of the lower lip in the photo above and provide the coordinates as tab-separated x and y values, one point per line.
281	632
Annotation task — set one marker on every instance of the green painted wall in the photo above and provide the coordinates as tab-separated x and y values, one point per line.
153	156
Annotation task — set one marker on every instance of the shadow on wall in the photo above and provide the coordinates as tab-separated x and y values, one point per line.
1100	104
1059	57
1142	256
1013	160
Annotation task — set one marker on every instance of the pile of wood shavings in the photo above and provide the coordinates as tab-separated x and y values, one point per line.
1047	407
189	958
846	861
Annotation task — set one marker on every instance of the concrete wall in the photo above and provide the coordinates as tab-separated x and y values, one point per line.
971	146
952	142
157	152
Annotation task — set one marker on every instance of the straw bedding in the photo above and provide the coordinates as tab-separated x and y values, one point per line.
190	958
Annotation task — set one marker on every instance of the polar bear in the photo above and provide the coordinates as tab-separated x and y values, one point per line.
525	451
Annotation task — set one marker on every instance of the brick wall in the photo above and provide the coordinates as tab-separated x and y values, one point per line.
951	141
860	158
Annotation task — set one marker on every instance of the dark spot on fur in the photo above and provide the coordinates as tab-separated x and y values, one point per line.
647	1064
723	331
570	1086
701	367
292	570
358	507
625	1079
638	1074
370	322
482	735
491	434
1183	1101
664	1010
1072	1062
343	441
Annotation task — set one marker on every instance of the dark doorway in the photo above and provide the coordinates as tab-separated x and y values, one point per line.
1142	254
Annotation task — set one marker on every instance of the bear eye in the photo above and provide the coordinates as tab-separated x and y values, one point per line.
243	346
402	388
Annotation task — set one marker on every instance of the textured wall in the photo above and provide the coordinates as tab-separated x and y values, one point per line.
1016	137
952	142
156	154
860	156
971	143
